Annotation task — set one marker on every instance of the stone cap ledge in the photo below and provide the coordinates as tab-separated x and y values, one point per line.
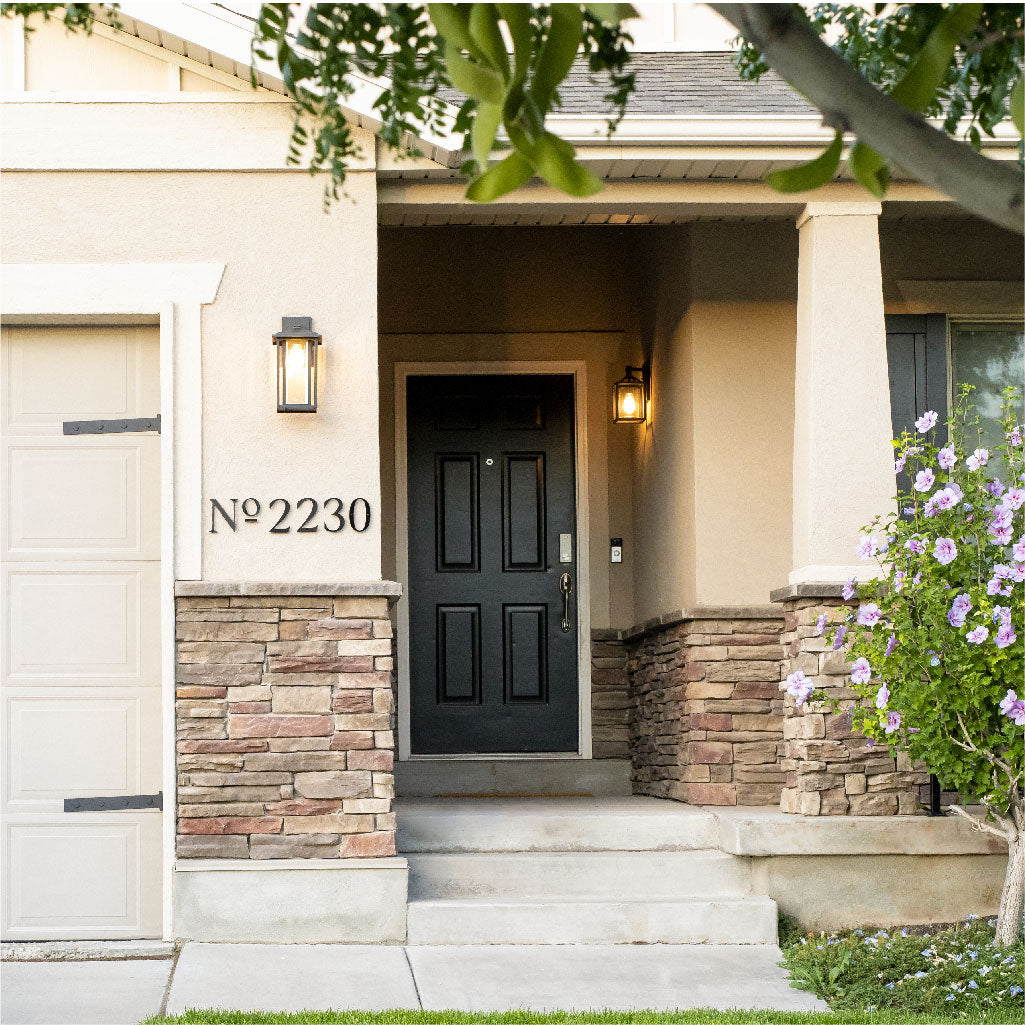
767	832
811	589
697	612
286	864
389	589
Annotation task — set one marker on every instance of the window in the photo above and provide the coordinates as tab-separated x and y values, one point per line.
990	357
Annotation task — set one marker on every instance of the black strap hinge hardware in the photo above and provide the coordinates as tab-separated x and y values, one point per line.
130	803
130	426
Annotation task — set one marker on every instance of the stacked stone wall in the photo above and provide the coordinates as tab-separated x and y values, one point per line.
285	726
830	769
610	696
707	715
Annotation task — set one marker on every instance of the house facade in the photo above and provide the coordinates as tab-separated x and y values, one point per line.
261	666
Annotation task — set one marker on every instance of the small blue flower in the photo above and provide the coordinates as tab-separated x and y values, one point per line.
920	975
889	985
950	996
973	984
1014	990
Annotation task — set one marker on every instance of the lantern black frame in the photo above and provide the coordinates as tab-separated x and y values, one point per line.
630	381
297	329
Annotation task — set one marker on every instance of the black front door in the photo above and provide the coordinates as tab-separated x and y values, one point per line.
492	547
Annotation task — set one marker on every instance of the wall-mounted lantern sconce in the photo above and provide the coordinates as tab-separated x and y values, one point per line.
630	396
296	344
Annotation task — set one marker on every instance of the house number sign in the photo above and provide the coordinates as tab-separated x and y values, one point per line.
305	516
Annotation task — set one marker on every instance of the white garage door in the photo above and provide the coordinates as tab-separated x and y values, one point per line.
81	634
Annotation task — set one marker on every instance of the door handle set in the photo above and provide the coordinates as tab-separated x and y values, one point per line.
565	588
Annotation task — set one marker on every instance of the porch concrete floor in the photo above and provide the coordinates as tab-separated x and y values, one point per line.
291	978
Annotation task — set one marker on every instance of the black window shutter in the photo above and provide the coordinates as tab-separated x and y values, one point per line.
916	356
916	353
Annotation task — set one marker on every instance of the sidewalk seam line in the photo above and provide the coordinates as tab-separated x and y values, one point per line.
170	979
412	975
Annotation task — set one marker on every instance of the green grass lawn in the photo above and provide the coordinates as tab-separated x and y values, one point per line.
895	977
1007	1016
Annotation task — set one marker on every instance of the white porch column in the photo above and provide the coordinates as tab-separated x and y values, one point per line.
843	462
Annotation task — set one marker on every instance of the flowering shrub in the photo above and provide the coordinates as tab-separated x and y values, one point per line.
937	639
946	973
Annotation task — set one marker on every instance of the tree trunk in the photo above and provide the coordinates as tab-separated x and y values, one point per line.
1009	918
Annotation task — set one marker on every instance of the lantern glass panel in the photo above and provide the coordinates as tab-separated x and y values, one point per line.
629	402
297	372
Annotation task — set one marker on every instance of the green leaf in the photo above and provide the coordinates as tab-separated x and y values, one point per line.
483	132
811	175
453	25
509	174
870	169
1017	104
487	35
517	17
923	78
473	79
555	161
612	14
557	53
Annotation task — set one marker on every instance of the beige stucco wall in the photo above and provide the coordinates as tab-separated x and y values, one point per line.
107	60
485	294
284	256
712	499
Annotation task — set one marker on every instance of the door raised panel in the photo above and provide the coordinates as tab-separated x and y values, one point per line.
65	742
523	511
458	654
92	624
91	878
457	512
525	650
79	373
83	499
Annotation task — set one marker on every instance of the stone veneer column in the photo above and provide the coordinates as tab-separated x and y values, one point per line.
285	721
843	461
610	696
707	713
830	769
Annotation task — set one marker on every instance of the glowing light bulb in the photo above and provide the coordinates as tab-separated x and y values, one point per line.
295	372
629	404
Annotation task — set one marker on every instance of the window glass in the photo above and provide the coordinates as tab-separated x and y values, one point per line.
990	357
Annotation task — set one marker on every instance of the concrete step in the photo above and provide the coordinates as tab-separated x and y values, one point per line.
623	875
605	777
732	920
552	824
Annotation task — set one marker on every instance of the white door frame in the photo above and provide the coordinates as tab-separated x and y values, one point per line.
578	370
170	296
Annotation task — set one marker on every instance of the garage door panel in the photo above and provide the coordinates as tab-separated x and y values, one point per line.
86	499
80	639
83	880
79	373
75	624
68	743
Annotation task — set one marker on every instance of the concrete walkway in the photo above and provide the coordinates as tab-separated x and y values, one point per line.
333	976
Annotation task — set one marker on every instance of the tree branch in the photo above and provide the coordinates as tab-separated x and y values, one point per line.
989	188
982	826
